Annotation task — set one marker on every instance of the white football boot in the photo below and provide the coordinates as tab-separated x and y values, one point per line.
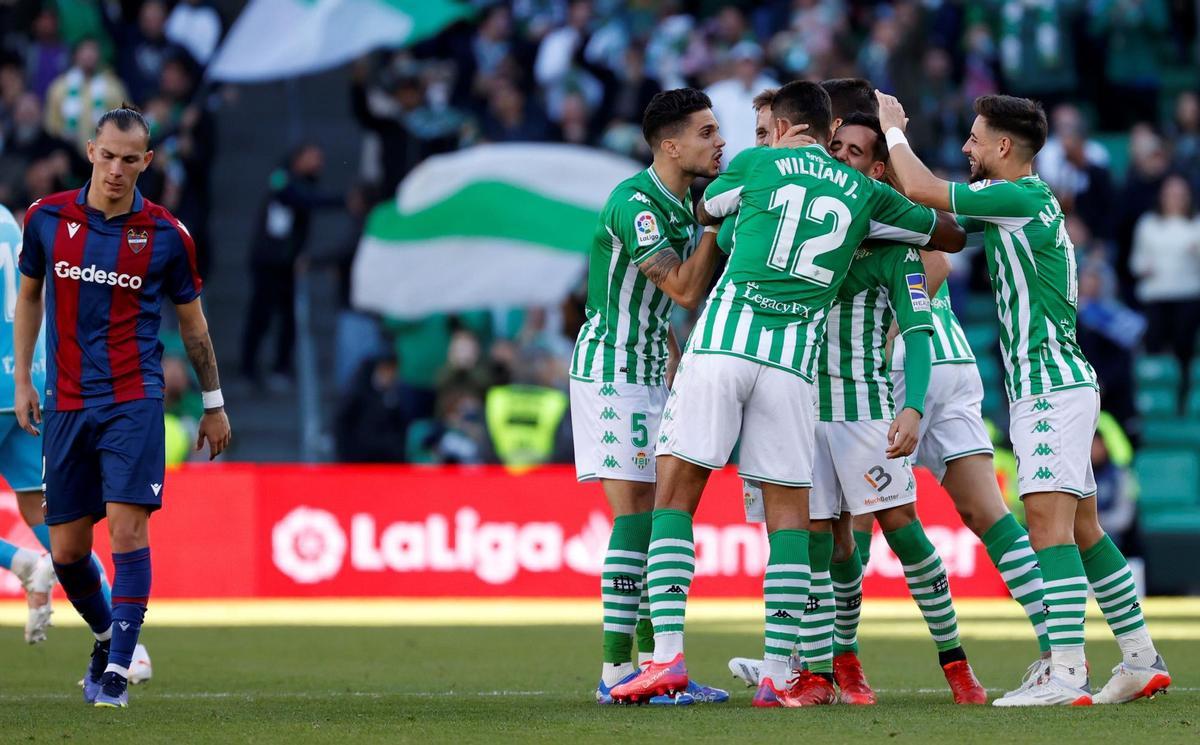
140	670
38	583
1131	682
1048	690
746	670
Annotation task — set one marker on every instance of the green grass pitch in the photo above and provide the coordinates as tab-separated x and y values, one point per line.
533	684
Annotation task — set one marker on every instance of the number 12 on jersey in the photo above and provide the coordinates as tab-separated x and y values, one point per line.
800	261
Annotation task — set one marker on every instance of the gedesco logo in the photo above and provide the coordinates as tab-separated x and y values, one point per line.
311	545
66	270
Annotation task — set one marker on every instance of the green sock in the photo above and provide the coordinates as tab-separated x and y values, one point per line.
669	571
621	584
785	591
847	579
927	582
1065	595
1112	582
645	629
862	539
816	627
1007	545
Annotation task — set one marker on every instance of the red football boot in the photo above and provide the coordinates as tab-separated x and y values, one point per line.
813	690
963	683
655	679
848	672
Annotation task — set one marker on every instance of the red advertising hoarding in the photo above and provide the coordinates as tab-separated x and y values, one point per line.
238	530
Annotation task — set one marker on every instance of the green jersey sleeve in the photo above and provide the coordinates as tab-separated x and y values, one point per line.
1003	203
640	228
725	236
908	290
894	217
723	196
970	224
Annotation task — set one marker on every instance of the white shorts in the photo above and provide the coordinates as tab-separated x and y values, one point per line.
852	474
952	426
1052	439
719	398
614	426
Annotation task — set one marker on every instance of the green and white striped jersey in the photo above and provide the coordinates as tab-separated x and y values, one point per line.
1032	266
624	339
950	345
800	216
885	281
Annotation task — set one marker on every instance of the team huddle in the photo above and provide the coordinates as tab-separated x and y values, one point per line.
827	353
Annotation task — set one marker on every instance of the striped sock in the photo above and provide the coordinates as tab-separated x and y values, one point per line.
785	591
862	540
847	579
645	628
1112	582
816	627
1065	597
1007	545
621	583
670	566
927	582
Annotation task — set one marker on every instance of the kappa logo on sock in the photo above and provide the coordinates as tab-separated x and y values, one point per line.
1136	606
675	589
781	614
124	625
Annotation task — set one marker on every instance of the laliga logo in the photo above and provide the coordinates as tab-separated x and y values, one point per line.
308	545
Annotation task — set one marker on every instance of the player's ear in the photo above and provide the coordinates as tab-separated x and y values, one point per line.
878	168
781	128
91	151
149	156
1004	145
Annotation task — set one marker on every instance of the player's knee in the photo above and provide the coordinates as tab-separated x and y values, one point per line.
842	549
1044	536
69	553
897	517
1087	531
127	535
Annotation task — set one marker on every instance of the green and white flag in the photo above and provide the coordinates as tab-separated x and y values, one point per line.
490	225
274	39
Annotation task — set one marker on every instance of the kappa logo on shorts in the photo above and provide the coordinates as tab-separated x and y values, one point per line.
609	438
878	478
611	462
1043	449
609	414
1043	474
1042	427
1042	405
607	390
641	460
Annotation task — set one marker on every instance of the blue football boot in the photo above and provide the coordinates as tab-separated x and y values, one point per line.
114	692
91	679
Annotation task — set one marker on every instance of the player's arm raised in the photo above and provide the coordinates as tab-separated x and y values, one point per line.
913	178
685	282
27	323
214	425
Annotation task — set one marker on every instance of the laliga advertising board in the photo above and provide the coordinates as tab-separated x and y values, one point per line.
338	531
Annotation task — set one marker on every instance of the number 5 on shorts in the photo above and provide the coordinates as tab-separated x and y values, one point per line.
637	427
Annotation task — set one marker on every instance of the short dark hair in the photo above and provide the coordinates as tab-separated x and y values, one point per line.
125	117
765	98
1021	118
804	102
870	121
668	110
851	95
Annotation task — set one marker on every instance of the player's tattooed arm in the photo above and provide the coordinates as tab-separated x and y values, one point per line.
204	360
685	282
912	176
193	327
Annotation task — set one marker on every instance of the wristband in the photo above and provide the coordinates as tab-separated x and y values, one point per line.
712	228
894	137
212	399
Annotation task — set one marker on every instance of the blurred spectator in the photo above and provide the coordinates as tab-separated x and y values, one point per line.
811	37
1115	486
1037	51
1076	168
1184	134
1135	34
143	49
196	26
574	126
510	118
979	64
1166	261
373	416
46	56
461	435
84	19
875	52
733	99
560	66
1149	163
936	113
275	256
79	96
24	141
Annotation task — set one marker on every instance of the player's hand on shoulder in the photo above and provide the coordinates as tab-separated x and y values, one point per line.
27	407
214	427
902	435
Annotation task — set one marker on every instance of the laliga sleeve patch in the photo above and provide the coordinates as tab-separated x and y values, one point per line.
982	184
646	227
918	292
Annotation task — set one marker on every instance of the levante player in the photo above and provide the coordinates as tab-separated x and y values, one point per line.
106	258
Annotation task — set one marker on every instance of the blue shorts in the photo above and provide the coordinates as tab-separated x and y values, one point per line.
20	456
111	453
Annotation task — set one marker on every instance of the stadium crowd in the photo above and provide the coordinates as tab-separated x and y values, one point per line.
1116	76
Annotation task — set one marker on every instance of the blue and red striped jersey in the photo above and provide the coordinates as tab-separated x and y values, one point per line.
106	279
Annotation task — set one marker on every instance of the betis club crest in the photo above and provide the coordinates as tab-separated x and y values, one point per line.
641	460
137	239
